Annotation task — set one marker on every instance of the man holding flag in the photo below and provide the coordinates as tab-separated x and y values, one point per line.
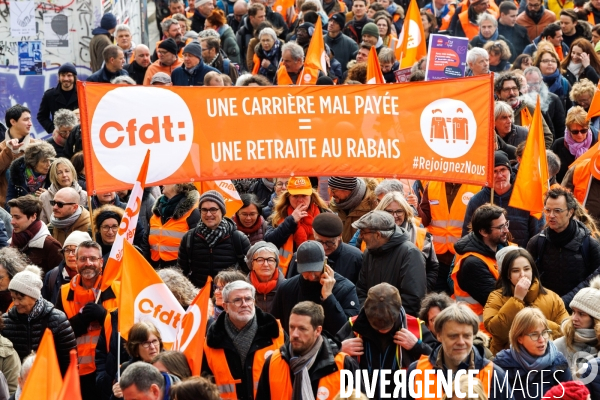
85	307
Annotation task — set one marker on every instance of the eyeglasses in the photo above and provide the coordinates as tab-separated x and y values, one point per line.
535	336
555	211
281	184
395	213
510	89
217	288
548	61
90	259
501	227
70	250
60	204
249	215
261	260
578	131
212	210
238	301
106	228
327	243
154	343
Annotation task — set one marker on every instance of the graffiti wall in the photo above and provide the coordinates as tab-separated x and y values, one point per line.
36	37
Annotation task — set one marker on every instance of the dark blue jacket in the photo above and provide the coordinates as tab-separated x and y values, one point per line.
594	386
105	76
106	361
522	226
531	384
346	260
182	77
532	48
53	280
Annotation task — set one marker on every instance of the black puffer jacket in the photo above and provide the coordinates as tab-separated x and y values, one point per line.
26	336
563	269
400	263
198	261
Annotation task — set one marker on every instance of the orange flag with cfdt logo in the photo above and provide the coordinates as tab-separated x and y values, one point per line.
44	380
374	74
127	227
531	184
594	109
71	389
192	330
411	42
315	56
227	190
145	297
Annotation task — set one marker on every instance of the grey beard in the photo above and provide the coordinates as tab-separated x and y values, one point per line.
544	98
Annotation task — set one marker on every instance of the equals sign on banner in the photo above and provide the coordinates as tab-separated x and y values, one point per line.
304	121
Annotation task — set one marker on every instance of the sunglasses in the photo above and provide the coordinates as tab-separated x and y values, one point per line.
578	131
60	204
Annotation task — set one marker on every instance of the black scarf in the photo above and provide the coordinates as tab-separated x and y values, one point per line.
560	239
535	16
311	290
167	206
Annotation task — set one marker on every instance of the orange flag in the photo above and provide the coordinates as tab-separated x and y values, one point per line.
531	184
126	232
70	389
145	297
281	5
315	56
192	330
374	74
44	381
587	155
227	190
411	42
526	117
594	109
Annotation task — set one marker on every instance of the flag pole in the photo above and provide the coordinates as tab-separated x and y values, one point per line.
492	196
91	218
118	355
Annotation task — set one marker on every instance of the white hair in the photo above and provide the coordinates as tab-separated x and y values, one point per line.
502	108
268	31
474	54
487	17
237	285
122	27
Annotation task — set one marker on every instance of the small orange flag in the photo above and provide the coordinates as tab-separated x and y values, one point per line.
526	117
587	155
70	389
192	331
233	202
315	56
281	5
411	42
112	270
44	381
594	109
145	297
374	74
531	184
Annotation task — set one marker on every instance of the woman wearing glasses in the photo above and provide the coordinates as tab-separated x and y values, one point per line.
279	187
577	140
249	219
106	220
519	287
29	174
223	278
265	276
62	174
548	62
532	361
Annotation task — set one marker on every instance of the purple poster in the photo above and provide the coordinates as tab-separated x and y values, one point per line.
447	57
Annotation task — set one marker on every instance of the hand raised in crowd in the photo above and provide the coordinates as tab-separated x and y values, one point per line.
327	282
265	63
14	143
300	212
413	200
353	347
117	390
522	288
585	60
405	339
39	192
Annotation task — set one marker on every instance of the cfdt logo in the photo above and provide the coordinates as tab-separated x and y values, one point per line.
128	121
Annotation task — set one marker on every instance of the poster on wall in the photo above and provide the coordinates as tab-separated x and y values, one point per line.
30	58
22	19
447	57
56	30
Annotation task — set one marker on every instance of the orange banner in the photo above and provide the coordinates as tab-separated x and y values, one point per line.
440	130
233	202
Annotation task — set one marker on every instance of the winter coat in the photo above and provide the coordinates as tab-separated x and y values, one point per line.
561	345
259	234
43	250
265	301
498	390
338	307
534	29
343	48
52	101
516	135
566	158
531	384
182	77
10	364
587	73
555	115
478	41
106	360
105	76
101	39
73	143
243	37
522	225
500	311
26	335
7	156
198	261
563	269
346	260
53	281
49	195
17	184
278	235
136	72
230	46
274	59
217	338
82	224
348	217
517	36
594	386
401	264
262	192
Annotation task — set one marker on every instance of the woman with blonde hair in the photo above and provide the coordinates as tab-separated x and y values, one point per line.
532	358
292	217
585	218
499	55
62	174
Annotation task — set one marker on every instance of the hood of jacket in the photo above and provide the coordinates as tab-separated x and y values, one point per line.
400	236
217	337
472	243
38	240
186	204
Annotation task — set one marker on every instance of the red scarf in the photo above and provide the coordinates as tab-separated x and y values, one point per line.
305	231
264	287
252	229
20	240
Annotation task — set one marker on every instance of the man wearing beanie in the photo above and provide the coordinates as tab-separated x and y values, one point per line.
351	199
523	226
214	245
370	35
64	95
342	46
344	259
354	27
114	60
167	60
303	34
193	70
103	37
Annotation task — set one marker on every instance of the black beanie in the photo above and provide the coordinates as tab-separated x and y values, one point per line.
169	45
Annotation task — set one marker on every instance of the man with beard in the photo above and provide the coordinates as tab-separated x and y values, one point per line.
167	60
522	225
213	57
551	104
172	30
309	365
239	341
67	215
64	95
78	301
535	18
507	87
319	283
141	61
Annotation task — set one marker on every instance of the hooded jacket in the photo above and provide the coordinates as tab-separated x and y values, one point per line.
181	76
401	264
